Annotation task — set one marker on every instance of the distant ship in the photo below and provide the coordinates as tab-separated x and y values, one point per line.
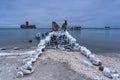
107	27
27	26
76	28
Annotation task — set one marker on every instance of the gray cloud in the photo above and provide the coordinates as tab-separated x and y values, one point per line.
89	13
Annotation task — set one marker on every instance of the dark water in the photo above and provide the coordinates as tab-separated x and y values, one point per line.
97	40
10	38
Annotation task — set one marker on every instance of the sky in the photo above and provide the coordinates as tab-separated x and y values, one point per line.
85	13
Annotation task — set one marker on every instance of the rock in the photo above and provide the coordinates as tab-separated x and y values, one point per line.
20	74
30	41
43	35
46	34
37	36
94	60
55	26
4	48
16	48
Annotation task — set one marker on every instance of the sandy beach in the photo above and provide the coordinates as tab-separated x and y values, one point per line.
55	64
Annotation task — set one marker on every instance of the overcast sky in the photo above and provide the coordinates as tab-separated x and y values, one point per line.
87	13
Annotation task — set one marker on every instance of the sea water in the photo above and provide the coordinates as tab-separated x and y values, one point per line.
97	40
13	37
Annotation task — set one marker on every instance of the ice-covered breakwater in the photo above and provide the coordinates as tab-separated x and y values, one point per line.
62	40
26	68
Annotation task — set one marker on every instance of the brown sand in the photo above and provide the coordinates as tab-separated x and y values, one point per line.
56	65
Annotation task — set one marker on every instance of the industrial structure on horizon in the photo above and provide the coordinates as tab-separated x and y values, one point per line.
27	26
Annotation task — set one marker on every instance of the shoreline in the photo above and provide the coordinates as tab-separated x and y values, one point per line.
16	52
31	49
75	60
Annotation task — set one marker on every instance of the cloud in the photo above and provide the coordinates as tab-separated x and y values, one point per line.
90	13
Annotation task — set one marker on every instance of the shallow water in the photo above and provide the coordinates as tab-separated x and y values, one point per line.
97	40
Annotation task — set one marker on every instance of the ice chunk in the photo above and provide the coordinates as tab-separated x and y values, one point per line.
85	51
61	47
38	50
47	39
70	38
51	33
34	57
27	61
20	74
94	60
111	73
42	42
115	76
37	35
26	69
77	47
107	72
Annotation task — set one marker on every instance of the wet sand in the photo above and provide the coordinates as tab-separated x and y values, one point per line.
55	64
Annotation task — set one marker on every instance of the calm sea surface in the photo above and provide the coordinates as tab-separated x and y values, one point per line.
97	40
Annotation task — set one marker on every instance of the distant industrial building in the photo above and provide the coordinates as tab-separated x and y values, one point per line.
27	26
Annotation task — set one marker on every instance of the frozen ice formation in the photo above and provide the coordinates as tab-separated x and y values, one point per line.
64	41
110	73
27	63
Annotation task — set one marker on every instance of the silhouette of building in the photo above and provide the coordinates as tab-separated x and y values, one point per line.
27	26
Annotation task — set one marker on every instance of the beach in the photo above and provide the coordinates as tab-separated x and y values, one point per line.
59	40
55	64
